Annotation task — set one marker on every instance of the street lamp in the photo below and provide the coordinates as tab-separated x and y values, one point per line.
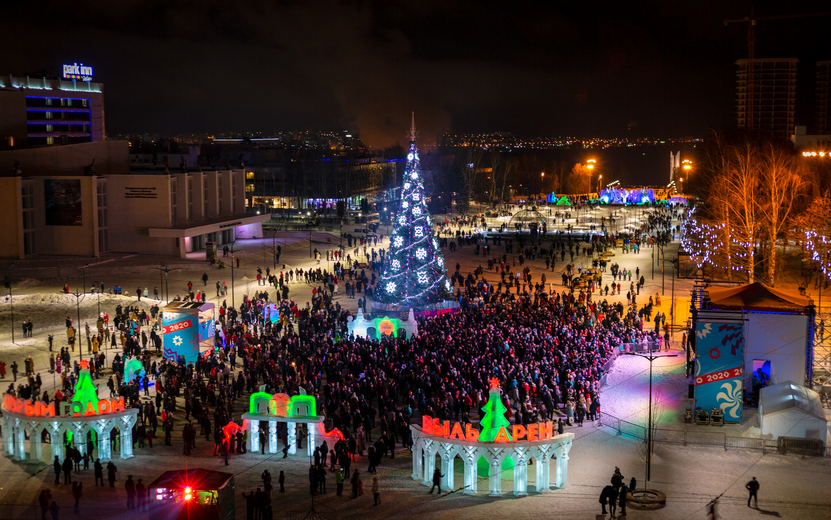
8	283
650	357
542	182
164	269
309	224
78	295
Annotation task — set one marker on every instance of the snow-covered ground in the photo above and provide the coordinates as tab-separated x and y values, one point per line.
792	487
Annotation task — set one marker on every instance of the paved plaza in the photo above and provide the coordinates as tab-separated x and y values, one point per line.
691	476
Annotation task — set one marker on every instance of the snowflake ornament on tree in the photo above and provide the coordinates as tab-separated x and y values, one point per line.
413	275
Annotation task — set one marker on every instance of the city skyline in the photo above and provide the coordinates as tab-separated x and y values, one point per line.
663	69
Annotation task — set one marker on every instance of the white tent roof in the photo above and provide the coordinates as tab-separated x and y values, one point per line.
789	395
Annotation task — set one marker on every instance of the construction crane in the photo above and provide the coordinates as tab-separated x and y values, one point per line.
751	51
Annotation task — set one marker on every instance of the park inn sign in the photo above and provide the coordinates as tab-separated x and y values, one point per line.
75	71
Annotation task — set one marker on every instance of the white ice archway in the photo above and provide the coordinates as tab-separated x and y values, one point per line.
16	426
426	447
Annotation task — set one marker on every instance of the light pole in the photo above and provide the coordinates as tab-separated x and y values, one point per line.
309	224
164	269
8	283
98	299
650	357
78	295
274	247
84	286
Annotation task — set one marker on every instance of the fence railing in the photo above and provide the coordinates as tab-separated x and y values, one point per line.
711	438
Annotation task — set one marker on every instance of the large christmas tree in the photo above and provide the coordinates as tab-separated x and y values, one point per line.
414	274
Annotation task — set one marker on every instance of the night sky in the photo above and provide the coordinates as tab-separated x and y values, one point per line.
531	68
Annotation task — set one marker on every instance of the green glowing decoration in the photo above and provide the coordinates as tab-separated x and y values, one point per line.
300	399
495	427
256	398
133	369
85	392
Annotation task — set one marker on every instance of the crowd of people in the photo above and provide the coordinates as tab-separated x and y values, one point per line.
549	347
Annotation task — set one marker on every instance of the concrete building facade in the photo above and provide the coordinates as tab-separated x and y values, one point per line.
83	200
767	100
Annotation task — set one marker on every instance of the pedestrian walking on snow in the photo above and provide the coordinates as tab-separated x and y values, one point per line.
753	488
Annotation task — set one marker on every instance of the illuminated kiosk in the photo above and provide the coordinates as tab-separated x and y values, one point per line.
747	338
280	408
376	328
78	417
188	330
496	442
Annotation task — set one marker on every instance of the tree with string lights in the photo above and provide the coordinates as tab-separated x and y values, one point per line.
413	275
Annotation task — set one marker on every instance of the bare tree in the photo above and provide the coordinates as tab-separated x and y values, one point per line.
579	180
780	183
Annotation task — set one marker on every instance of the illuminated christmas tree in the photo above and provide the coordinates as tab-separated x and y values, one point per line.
495	426
414	275
85	391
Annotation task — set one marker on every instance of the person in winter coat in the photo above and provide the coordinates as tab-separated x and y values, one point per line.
622	499
355	479
77	492
99	472
44	498
339	482
604	498
130	488
612	500
57	467
111	469
67	469
376	491
753	488
437	476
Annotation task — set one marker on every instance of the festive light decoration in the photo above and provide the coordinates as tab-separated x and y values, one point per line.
413	274
706	245
495	425
818	246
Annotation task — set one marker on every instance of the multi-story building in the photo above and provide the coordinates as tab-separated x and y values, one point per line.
767	100
84	200
50	111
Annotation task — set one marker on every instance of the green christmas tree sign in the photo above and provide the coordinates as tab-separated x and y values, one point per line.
495	426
